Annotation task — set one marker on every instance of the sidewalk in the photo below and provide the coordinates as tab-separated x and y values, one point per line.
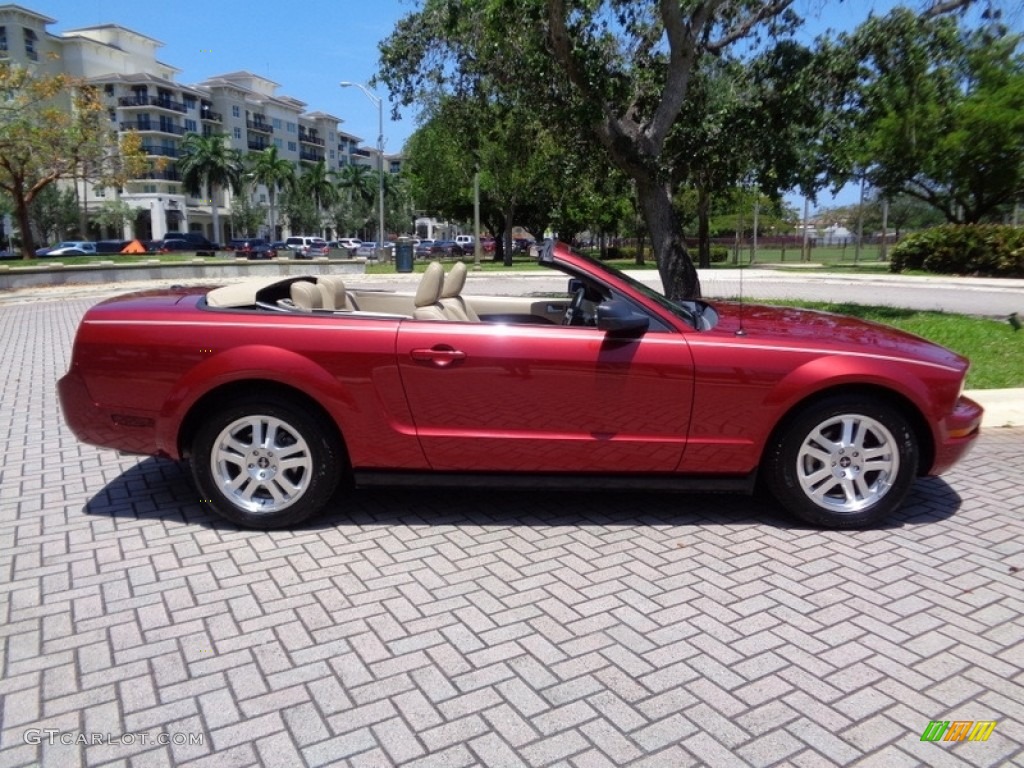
1003	407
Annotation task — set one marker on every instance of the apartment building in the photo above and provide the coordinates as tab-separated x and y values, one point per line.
141	94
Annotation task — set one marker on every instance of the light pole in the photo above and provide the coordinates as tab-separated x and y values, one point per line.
380	159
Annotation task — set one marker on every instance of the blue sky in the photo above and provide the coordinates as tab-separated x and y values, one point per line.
313	44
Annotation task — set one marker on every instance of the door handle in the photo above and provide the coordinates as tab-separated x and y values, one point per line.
440	356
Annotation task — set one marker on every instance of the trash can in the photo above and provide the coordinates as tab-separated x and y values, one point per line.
403	255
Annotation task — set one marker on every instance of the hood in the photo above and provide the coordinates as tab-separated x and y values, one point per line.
832	332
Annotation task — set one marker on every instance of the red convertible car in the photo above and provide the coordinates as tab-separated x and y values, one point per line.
278	390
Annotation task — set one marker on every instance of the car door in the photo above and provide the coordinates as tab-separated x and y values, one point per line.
531	398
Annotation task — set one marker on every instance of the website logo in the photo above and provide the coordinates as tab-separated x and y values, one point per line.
958	730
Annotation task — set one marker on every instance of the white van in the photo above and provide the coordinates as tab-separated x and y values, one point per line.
466	241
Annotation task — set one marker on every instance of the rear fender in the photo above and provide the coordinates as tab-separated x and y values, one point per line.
250	362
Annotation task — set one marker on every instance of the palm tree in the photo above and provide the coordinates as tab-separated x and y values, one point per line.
275	173
318	183
208	162
360	180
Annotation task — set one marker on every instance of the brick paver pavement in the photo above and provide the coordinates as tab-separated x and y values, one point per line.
461	629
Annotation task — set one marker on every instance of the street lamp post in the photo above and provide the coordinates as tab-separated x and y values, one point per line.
380	159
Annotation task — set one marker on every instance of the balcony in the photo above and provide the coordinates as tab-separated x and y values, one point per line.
174	130
152	149
258	144
159	175
309	138
310	156
256	125
207	114
152	101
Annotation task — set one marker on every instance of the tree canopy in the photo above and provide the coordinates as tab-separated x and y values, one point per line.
619	73
51	128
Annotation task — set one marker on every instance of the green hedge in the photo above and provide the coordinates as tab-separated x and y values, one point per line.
963	249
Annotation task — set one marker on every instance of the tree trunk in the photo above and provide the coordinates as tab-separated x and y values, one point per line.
507	256
678	275
216	214
704	228
21	210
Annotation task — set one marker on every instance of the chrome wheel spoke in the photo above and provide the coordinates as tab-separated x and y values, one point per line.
261	463
846	463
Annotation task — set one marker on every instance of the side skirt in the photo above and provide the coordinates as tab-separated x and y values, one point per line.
690	483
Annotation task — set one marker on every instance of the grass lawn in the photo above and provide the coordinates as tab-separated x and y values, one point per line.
995	350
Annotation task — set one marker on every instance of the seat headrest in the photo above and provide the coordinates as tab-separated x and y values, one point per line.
306	295
454	282
429	291
332	289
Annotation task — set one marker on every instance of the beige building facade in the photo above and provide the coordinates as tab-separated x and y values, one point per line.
141	94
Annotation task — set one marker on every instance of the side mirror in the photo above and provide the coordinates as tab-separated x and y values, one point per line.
618	318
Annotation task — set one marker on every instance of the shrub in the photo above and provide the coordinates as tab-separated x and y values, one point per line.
719	254
963	249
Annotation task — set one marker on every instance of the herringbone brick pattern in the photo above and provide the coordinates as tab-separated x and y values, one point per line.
478	629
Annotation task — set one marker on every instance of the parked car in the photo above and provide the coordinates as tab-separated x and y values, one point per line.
71	248
306	247
422	249
349	244
253	248
111	246
613	385
446	248
466	241
174	245
367	250
196	240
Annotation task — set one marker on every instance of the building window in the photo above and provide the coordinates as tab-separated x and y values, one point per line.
190	126
276	122
238	132
190	102
235	111
3	38
109	89
99	191
279	143
292	147
291	127
112	113
149	188
332	154
30	45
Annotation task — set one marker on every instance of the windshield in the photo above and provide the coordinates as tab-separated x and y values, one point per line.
690	311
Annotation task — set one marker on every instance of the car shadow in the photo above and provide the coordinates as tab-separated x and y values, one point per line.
161	489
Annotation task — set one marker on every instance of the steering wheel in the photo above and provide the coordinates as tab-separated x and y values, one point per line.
574	314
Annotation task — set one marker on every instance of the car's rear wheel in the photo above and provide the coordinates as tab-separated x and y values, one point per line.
844	462
263	462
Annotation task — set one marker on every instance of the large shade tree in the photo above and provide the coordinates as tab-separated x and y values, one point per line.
939	110
49	126
619	70
209	164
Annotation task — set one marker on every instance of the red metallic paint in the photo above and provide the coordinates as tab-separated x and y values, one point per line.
425	395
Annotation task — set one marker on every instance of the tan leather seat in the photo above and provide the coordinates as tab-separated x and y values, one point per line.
428	294
455	307
306	296
332	290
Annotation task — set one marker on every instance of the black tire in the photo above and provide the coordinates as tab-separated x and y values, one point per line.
844	462
255	489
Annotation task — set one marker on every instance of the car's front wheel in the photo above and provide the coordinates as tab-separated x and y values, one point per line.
845	462
263	462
